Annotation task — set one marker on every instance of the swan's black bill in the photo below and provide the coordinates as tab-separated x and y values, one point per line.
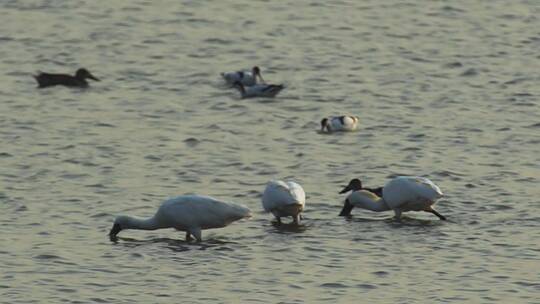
115	230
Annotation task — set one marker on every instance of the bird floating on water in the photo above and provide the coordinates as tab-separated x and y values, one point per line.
79	80
189	213
339	123
284	199
245	77
259	90
400	194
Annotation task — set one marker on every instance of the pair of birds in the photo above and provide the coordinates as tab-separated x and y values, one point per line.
193	213
247	82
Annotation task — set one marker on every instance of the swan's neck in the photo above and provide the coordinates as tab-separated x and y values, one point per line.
142	224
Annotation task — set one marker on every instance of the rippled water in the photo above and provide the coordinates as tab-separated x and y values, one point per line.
446	89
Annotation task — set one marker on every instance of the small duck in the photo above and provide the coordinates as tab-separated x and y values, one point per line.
79	80
245	77
284	199
400	194
339	123
258	90
189	213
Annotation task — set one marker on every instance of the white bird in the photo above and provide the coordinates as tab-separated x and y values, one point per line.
259	90
245	77
401	194
284	199
189	213
339	123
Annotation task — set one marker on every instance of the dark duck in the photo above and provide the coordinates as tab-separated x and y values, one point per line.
79	80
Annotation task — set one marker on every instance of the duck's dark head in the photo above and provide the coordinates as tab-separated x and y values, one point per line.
324	124
83	73
354	185
256	71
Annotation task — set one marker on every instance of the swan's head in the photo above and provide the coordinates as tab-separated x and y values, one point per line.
354	185
324	124
120	223
83	74
256	71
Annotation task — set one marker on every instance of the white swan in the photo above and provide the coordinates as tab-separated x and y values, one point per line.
259	90
401	194
245	77
284	199
189	213
339	123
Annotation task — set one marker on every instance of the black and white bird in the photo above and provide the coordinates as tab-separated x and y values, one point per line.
400	194
258	90
339	123
247	78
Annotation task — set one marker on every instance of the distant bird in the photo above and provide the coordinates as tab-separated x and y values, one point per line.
244	77
79	80
259	90
284	199
400	194
189	213
339	123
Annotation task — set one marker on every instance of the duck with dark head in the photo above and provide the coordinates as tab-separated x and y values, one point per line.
356	185
79	80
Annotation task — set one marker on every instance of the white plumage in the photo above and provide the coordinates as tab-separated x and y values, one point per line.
247	78
189	213
259	90
284	199
401	194
339	123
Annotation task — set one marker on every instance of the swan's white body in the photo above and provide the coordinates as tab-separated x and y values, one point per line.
247	78
190	213
259	90
339	123
401	194
284	199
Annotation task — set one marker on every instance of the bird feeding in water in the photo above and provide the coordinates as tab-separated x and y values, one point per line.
284	199
189	213
400	194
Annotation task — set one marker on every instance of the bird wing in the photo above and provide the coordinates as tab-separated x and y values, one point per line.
409	189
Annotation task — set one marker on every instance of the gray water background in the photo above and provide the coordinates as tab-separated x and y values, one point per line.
444	89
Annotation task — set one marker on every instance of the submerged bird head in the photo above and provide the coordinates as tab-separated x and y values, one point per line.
354	185
256	71
120	223
324	124
83	73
